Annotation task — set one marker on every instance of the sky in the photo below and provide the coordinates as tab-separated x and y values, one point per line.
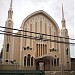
22	8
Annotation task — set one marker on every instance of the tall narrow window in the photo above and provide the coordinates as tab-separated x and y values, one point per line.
28	60
50	37
45	49
39	49
36	49
54	39
35	26
57	61
31	61
31	35
25	33
7	47
45	29
67	51
25	60
40	26
54	62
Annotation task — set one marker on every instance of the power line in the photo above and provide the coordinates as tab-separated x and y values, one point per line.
32	37
36	33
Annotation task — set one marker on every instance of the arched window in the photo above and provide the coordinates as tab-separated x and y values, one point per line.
25	60
31	61
7	47
28	60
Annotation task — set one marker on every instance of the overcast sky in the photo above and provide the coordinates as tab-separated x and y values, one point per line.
22	8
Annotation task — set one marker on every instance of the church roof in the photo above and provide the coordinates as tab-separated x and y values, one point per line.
40	12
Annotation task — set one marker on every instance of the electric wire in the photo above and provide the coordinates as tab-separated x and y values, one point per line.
32	37
36	33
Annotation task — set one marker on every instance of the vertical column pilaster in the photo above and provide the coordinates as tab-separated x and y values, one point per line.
38	49
30	61
43	49
21	49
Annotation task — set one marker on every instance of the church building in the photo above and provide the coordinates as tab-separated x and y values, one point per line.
39	44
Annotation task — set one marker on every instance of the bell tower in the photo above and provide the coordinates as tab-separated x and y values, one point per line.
8	38
65	47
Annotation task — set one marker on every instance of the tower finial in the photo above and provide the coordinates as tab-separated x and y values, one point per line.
63	19
62	12
10	11
11	4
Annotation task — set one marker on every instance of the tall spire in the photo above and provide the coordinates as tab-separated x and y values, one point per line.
62	12
10	11
63	19
11	4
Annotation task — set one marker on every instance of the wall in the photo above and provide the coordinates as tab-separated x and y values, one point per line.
59	73
8	67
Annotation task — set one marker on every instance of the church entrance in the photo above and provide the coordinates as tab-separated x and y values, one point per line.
42	64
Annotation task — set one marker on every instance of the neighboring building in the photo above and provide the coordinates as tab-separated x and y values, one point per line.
1	56
73	64
37	53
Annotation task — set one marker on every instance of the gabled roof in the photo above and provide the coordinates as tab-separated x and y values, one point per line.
40	12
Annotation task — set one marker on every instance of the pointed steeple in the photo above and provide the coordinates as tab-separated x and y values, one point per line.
8	45
10	11
9	18
11	4
63	19
62	12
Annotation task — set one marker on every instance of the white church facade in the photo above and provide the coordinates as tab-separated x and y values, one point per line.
37	46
